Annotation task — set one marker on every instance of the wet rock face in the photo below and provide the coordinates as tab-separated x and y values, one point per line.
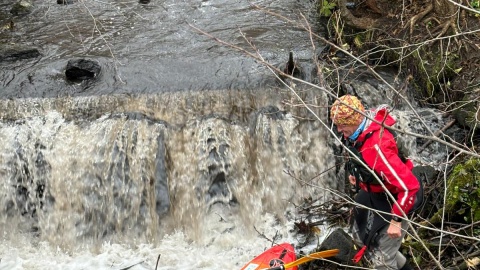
82	69
216	181
28	182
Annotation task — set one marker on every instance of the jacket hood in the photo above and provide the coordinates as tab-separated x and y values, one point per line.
380	115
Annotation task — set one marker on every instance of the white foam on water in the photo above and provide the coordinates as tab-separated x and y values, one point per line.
225	250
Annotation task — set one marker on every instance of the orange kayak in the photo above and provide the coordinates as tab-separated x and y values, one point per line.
273	257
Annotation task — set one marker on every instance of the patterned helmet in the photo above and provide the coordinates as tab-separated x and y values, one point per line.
343	111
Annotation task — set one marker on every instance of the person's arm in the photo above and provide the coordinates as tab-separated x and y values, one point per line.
383	158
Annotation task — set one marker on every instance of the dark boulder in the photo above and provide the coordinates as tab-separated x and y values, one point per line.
82	69
339	239
66	2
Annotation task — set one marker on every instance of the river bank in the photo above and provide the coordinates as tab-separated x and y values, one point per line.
434	48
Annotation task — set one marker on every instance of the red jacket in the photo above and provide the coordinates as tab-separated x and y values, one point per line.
380	153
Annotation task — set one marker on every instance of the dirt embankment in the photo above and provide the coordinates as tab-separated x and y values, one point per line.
436	42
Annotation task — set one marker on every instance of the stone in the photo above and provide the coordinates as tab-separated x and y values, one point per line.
22	7
82	69
339	239
66	2
17	52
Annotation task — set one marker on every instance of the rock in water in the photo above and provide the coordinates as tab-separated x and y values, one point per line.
82	69
22	7
66	2
17	52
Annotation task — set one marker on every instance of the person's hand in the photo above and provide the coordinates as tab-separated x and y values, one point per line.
395	229
352	180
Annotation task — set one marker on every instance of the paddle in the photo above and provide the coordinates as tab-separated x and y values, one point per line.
307	258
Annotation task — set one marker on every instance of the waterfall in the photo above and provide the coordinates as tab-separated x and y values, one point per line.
88	169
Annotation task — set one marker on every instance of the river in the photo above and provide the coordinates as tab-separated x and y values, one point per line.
180	148
182	153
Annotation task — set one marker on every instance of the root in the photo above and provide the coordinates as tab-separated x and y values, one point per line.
420	16
445	27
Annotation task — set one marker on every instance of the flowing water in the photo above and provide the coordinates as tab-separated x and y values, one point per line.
181	149
149	48
87	192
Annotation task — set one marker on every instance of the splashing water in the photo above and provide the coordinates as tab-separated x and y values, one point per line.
103	183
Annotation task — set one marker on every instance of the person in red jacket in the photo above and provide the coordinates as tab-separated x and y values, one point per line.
375	166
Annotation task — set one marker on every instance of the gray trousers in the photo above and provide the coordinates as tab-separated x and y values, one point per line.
385	255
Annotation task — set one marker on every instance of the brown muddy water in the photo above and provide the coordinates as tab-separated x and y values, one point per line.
180	147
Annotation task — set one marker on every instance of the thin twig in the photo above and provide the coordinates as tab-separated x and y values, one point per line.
437	133
158	259
130	266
